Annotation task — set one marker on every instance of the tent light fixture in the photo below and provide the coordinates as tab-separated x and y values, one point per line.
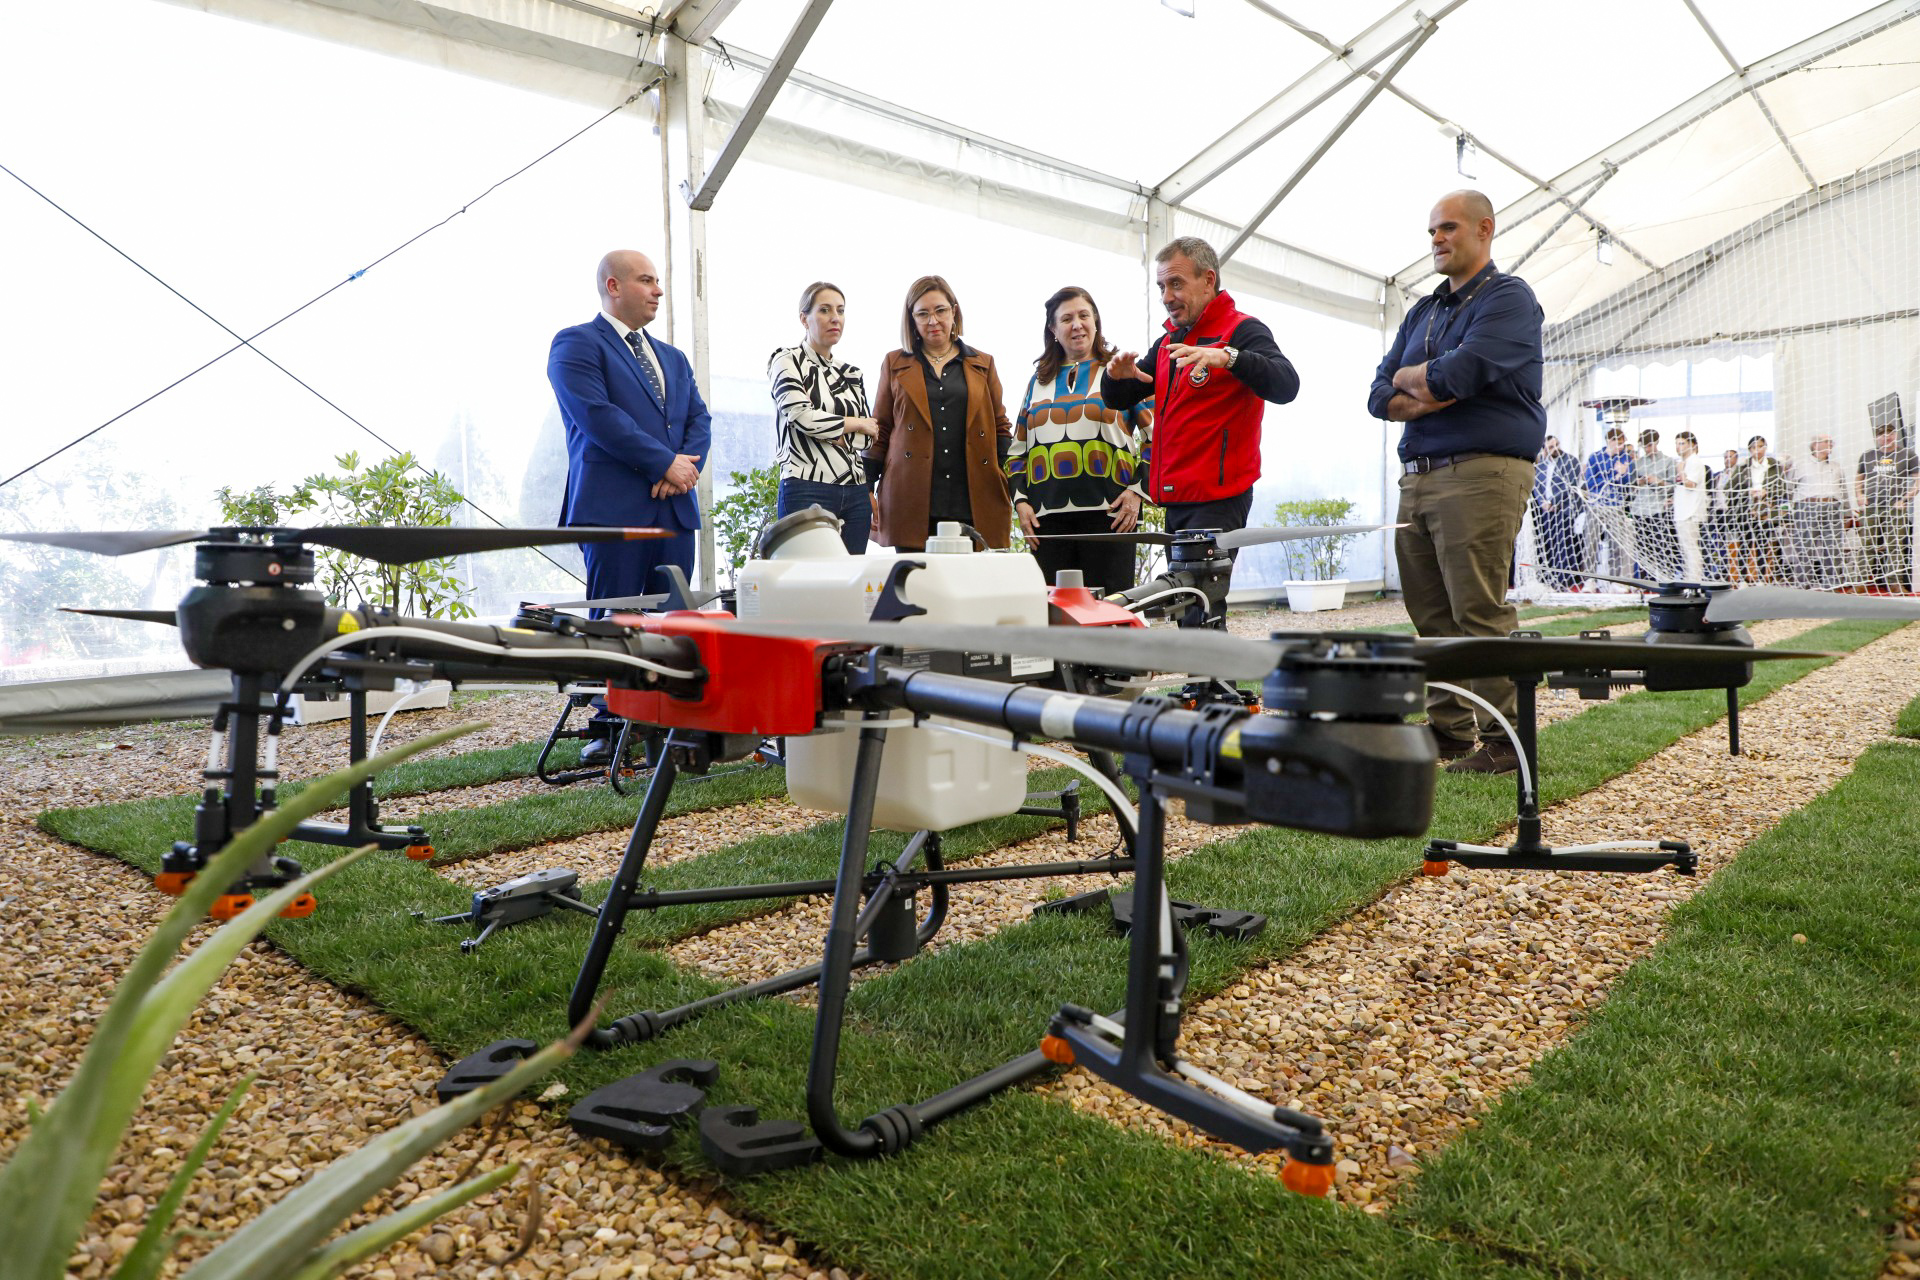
1466	156
1603	249
1182	7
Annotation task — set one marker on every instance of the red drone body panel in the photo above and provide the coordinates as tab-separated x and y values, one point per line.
1079	607
763	685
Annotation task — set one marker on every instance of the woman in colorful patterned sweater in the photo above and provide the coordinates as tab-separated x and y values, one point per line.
1074	466
821	421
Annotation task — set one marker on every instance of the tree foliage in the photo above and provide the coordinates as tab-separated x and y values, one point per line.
394	492
739	517
1315	559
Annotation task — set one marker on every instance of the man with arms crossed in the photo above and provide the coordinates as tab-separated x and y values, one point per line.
1464	375
637	437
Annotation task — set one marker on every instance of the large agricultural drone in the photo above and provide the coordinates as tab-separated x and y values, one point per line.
1332	752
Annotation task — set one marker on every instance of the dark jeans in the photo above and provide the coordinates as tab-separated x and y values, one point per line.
1222	514
1108	566
848	501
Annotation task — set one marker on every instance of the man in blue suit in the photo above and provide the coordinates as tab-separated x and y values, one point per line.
637	433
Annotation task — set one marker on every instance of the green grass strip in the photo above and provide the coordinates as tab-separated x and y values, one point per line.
1743	1103
151	825
1022	1186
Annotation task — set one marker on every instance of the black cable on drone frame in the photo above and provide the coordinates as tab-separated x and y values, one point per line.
247	342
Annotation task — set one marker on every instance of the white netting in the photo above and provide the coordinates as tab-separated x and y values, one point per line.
1779	350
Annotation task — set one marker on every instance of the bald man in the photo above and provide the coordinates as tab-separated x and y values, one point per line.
637	437
1464	375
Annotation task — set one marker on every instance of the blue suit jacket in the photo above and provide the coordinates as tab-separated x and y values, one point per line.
620	438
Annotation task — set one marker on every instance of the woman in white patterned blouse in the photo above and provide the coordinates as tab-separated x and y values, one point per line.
822	420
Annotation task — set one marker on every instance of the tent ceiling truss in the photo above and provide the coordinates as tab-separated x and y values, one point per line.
1738	83
1361	293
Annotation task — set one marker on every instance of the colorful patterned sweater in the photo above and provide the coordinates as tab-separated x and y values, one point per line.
1071	452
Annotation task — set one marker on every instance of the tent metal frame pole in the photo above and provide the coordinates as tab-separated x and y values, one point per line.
1752	92
771	81
1882	16
1541	184
1328	77
695	21
1573	209
1326	143
683	131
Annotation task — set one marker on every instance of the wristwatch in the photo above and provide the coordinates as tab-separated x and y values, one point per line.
1233	354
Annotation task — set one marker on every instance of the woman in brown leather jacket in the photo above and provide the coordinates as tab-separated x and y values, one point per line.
944	434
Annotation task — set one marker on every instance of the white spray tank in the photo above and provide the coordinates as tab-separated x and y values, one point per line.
929	779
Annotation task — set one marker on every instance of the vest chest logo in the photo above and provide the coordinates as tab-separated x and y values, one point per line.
1198	375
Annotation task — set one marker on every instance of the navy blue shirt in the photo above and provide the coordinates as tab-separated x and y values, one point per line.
1481	346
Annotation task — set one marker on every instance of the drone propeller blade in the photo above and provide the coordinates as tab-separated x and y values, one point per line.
110	544
1750	604
405	545
165	616
1670	585
98	701
1232	539
1214	653
1198	652
614	602
1480	657
1236	538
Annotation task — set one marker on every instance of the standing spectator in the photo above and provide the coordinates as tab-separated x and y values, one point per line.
1464	374
942	444
1210	375
1722	514
637	437
1819	514
1650	504
1884	484
1690	504
1074	467
1556	502
821	422
1760	485
1608	479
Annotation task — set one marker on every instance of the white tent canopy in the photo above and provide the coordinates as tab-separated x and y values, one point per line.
1008	145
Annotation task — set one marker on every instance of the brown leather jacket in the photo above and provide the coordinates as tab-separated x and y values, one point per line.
905	443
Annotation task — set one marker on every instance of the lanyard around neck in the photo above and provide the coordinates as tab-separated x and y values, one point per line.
1455	313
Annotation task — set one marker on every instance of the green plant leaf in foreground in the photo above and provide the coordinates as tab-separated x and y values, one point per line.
326	1263
156	1241
279	1243
48	1188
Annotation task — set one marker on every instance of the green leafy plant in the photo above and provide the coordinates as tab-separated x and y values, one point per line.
393	492
739	517
48	1187
1147	558
1315	559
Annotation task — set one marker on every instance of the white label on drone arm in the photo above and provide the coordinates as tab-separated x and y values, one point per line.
1057	715
1021	667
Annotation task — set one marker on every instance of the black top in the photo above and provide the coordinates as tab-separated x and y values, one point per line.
947	403
1886	476
1481	346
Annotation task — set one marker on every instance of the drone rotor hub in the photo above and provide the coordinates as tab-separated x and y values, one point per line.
1346	682
259	564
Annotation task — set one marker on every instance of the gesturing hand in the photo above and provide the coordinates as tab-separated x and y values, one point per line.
1127	365
1126	511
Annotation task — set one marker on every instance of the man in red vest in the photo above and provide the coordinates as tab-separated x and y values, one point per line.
1210	376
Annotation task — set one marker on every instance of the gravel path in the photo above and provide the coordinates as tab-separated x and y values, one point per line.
335	1070
1402	1023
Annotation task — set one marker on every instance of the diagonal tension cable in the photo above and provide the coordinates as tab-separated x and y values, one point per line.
247	342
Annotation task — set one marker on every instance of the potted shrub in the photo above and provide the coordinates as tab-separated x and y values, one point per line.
1314	565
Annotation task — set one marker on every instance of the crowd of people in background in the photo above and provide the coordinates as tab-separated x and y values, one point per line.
1633	510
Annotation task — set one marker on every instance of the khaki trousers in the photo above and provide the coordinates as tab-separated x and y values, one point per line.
1456	555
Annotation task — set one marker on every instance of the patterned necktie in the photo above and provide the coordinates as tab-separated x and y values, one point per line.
638	344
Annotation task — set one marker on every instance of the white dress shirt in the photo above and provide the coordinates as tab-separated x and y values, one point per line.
646	345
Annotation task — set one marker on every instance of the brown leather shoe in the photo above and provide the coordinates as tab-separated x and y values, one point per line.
1450	747
1496	755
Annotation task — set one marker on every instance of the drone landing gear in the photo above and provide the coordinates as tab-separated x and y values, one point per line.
888	923
1528	852
1138	1052
621	764
363	810
523	898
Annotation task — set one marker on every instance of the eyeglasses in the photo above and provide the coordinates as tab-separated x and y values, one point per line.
938	313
